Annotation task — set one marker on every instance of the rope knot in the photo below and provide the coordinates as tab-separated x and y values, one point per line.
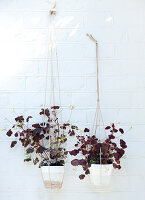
53	11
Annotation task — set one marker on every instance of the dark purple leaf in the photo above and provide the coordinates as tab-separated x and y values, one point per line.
75	162
114	144
82	176
117	156
45	112
116	166
35	161
121	130
117	161
19	119
29	131
37	131
66	152
29	117
56	131
30	150
55	107
41	149
21	134
107	127
115	130
47	128
86	130
63	127
74	152
87	172
27	160
41	136
93	141
111	136
13	143
36	125
36	138
67	124
123	144
107	141
113	126
82	162
84	152
16	134
71	133
9	133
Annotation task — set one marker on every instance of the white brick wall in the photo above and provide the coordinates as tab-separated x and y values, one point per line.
119	27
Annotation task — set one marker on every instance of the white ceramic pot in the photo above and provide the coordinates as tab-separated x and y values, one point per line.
100	175
52	176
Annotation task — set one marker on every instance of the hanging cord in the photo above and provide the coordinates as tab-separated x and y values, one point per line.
51	61
98	114
51	45
57	66
52	13
50	48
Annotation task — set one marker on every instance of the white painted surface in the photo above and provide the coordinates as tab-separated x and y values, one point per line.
119	27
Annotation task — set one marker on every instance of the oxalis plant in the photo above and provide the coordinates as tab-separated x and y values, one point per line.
95	151
44	142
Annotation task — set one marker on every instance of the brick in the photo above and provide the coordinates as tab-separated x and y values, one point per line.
128	51
98	19
13	83
35	83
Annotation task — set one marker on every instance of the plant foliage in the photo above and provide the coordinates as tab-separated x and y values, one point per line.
95	151
44	141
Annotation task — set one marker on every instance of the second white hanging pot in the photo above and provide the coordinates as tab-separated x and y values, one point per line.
100	175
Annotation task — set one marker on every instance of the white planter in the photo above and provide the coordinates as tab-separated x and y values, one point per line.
100	175
52	176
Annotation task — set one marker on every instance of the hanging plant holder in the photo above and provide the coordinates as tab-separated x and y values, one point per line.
101	153
100	175
52	176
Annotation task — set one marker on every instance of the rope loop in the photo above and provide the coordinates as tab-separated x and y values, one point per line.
98	114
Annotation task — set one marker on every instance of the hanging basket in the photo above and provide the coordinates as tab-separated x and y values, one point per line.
100	175
52	176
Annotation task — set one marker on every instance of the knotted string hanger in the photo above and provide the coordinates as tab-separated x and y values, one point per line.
51	46
52	14
98	114
45	93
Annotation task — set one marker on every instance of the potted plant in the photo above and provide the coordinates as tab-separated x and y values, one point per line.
44	143
99	156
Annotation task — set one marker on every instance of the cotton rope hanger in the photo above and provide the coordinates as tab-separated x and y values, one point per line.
52	44
53	12
98	118
98	114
